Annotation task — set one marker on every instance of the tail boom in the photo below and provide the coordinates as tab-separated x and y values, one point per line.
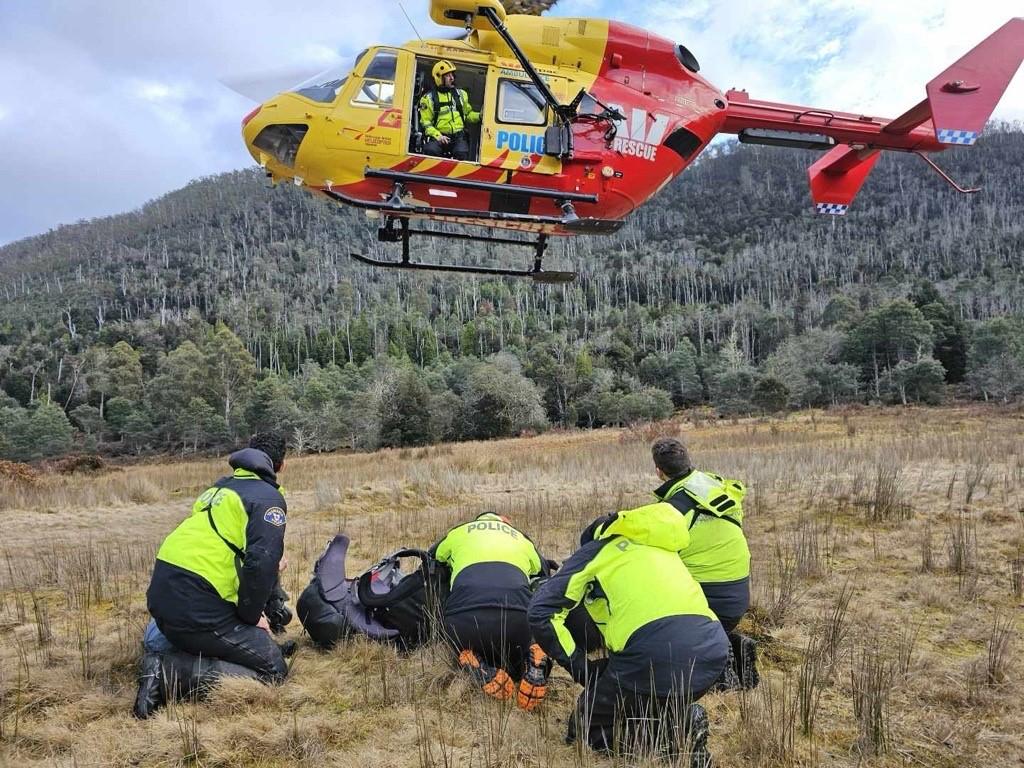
958	104
862	131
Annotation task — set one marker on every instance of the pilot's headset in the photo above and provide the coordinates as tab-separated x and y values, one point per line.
441	69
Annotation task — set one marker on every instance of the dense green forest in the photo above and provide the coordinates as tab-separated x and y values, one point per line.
230	306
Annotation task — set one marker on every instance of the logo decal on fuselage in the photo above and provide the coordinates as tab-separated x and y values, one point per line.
641	133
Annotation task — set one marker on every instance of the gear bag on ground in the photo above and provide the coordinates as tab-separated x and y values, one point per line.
385	603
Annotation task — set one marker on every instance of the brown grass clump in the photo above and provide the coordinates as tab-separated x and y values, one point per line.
887	638
83	464
15	472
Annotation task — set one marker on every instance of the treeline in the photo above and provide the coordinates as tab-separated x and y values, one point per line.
208	392
227	306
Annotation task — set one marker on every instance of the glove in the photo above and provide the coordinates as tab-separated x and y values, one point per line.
553	565
279	618
277	612
583	669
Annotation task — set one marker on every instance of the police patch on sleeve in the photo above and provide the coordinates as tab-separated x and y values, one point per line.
275	516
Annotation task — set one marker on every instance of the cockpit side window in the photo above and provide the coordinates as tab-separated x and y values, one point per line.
382	67
520	103
378	86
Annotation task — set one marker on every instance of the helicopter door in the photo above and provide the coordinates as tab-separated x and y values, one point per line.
514	118
370	114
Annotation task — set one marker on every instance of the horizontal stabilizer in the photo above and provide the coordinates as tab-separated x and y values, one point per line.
963	97
838	176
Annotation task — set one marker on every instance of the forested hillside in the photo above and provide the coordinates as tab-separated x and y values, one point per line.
229	306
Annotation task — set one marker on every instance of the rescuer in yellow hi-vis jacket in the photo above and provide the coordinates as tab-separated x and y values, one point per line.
718	556
666	647
445	112
216	573
491	565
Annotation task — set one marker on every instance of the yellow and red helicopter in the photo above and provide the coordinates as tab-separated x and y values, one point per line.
582	121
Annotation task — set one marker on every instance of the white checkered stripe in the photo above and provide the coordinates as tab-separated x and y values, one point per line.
952	136
833	209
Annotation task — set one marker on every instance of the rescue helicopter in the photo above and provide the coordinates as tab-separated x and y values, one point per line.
582	120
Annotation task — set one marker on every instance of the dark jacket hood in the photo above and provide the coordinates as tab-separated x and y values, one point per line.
253	460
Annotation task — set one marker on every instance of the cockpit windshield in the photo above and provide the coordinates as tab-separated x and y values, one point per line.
324	87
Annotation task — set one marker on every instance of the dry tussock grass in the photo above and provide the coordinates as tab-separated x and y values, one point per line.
887	548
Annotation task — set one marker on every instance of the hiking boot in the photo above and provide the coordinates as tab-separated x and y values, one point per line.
150	696
494	681
729	680
745	651
534	685
700	755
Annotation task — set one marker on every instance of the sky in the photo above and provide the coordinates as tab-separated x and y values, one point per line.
106	104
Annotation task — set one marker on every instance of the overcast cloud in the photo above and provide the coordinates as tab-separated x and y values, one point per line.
105	104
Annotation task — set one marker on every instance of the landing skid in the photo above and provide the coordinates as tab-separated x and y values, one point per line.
388	234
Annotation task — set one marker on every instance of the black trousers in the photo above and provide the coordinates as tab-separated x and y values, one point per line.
235	642
616	717
729	601
457	148
500	637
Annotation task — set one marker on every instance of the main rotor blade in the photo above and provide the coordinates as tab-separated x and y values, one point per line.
528	7
260	86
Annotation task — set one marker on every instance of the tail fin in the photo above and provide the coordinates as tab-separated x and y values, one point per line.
958	103
961	99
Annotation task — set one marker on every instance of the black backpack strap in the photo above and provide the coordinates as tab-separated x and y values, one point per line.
455	103
240	554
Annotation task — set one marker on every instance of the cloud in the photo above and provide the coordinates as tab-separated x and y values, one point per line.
111	104
107	105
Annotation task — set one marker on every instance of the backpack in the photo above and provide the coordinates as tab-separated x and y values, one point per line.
384	604
406	602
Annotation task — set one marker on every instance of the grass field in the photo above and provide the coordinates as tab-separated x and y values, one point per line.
888	551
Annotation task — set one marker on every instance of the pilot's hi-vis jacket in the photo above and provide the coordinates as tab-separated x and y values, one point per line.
221	563
491	562
446	112
661	635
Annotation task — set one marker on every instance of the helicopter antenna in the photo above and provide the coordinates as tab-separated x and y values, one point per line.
415	31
